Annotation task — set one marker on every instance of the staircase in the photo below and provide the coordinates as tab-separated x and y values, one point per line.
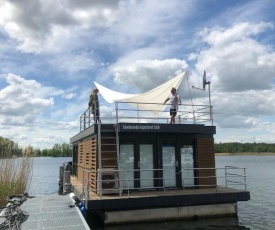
108	152
108	143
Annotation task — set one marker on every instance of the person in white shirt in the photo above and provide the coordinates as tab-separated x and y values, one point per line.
175	100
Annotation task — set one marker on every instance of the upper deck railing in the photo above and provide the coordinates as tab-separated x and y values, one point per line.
123	112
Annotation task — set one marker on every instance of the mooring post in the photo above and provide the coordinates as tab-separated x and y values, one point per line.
67	182
60	180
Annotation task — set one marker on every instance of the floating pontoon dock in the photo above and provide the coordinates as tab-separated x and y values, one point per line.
52	212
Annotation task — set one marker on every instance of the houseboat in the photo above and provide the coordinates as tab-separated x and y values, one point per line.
134	166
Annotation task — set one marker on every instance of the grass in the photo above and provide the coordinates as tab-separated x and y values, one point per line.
15	174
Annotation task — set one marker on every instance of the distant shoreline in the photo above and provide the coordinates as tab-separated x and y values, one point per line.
244	154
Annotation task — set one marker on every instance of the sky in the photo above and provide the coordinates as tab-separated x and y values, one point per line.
52	51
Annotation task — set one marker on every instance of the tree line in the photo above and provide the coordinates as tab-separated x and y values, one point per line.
235	147
9	147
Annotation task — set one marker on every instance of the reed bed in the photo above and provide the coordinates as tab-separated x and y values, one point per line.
15	173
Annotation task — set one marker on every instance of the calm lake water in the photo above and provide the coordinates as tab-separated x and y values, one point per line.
256	214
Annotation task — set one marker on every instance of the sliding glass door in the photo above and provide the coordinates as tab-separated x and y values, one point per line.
169	165
126	175
187	165
136	168
146	165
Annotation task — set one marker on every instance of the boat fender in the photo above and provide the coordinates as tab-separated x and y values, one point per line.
80	205
82	209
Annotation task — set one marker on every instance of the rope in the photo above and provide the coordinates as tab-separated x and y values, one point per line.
14	215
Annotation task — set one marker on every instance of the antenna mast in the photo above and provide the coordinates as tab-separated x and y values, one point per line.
204	83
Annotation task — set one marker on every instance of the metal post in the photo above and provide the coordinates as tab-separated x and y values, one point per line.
210	105
225	171
211	115
85	120
245	187
116	105
60	180
128	187
88	189
182	178
80	123
138	111
82	181
99	166
117	149
67	182
216	181
61	172
164	185
89	116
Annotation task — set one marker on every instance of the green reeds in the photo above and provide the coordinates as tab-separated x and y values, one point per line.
15	173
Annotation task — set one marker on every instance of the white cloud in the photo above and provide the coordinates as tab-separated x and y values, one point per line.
126	24
20	104
74	63
147	74
241	71
239	61
52	20
69	96
192	56
221	37
44	135
248	104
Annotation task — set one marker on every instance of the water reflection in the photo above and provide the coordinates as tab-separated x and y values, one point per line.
225	223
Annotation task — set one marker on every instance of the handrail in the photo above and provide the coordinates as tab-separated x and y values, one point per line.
228	180
124	113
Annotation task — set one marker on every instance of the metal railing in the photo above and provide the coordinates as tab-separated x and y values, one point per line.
232	172
220	178
228	177
123	112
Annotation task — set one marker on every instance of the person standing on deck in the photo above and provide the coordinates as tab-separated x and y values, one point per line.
175	100
94	105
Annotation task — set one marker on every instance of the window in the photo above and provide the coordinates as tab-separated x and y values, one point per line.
187	165
146	166
127	165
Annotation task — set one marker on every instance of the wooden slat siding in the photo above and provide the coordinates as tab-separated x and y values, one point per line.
80	174
87	159
80	163
206	159
80	155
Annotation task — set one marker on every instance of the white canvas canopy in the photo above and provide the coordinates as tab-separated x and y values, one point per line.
155	96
